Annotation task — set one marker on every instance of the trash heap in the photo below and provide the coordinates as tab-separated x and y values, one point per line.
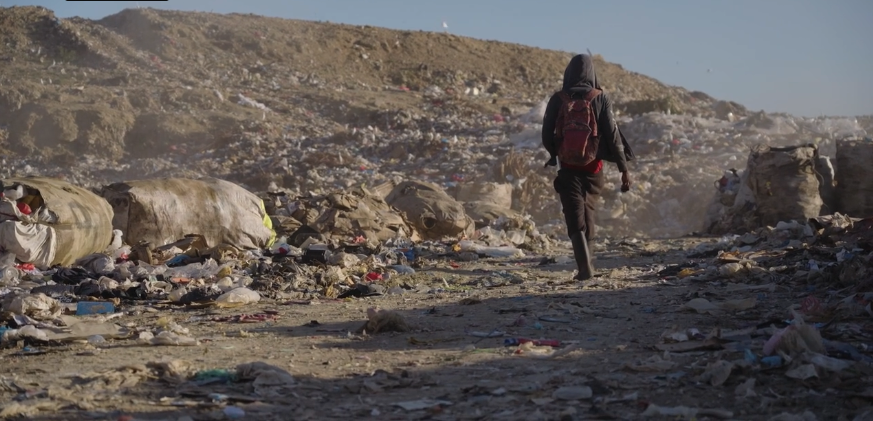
792	183
226	251
327	256
670	196
825	263
167	105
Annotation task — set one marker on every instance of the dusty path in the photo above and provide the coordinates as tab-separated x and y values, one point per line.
614	324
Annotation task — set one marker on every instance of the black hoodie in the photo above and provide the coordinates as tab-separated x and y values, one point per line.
579	79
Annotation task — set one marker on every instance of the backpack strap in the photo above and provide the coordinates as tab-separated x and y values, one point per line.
593	94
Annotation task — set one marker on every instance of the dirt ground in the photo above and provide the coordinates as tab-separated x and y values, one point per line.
611	327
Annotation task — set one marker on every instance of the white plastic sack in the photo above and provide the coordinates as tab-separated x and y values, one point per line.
238	297
32	243
72	222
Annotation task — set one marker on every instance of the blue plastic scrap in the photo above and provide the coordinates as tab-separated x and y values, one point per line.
85	308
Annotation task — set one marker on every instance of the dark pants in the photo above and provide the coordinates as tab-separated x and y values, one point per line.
578	192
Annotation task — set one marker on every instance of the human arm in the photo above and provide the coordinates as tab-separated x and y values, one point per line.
608	131
548	133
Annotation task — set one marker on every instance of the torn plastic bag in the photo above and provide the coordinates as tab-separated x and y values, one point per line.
67	223
97	263
38	306
161	211
32	243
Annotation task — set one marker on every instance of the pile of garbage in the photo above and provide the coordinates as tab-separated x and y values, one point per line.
792	183
211	241
825	262
456	122
678	155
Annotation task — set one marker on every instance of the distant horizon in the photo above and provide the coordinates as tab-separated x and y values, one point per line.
773	63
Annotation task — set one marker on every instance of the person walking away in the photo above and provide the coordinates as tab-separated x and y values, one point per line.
580	132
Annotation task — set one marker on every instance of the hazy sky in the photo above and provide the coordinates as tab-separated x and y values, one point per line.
805	57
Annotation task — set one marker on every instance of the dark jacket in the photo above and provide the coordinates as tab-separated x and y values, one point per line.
579	80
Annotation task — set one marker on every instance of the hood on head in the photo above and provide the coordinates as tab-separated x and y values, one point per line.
580	73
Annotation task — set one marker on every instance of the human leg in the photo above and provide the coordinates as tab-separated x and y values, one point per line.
573	190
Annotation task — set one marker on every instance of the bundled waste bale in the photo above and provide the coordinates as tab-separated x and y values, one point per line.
499	194
51	222
854	177
430	210
484	214
346	215
785	183
160	211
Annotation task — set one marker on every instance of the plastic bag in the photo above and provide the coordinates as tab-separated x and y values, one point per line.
170	338
207	269
497	252
238	297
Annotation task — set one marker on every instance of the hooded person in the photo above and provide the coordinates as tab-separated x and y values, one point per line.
579	132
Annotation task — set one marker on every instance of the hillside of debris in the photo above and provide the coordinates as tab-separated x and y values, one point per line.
142	81
296	106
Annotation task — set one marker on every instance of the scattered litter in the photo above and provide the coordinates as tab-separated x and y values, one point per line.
529	350
422	404
685	412
573	393
655	364
381	321
802	372
717	373
702	305
805	416
746	389
84	308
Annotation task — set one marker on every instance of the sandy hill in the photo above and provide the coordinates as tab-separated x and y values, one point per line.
146	82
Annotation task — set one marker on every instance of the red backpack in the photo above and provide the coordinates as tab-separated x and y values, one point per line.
576	130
